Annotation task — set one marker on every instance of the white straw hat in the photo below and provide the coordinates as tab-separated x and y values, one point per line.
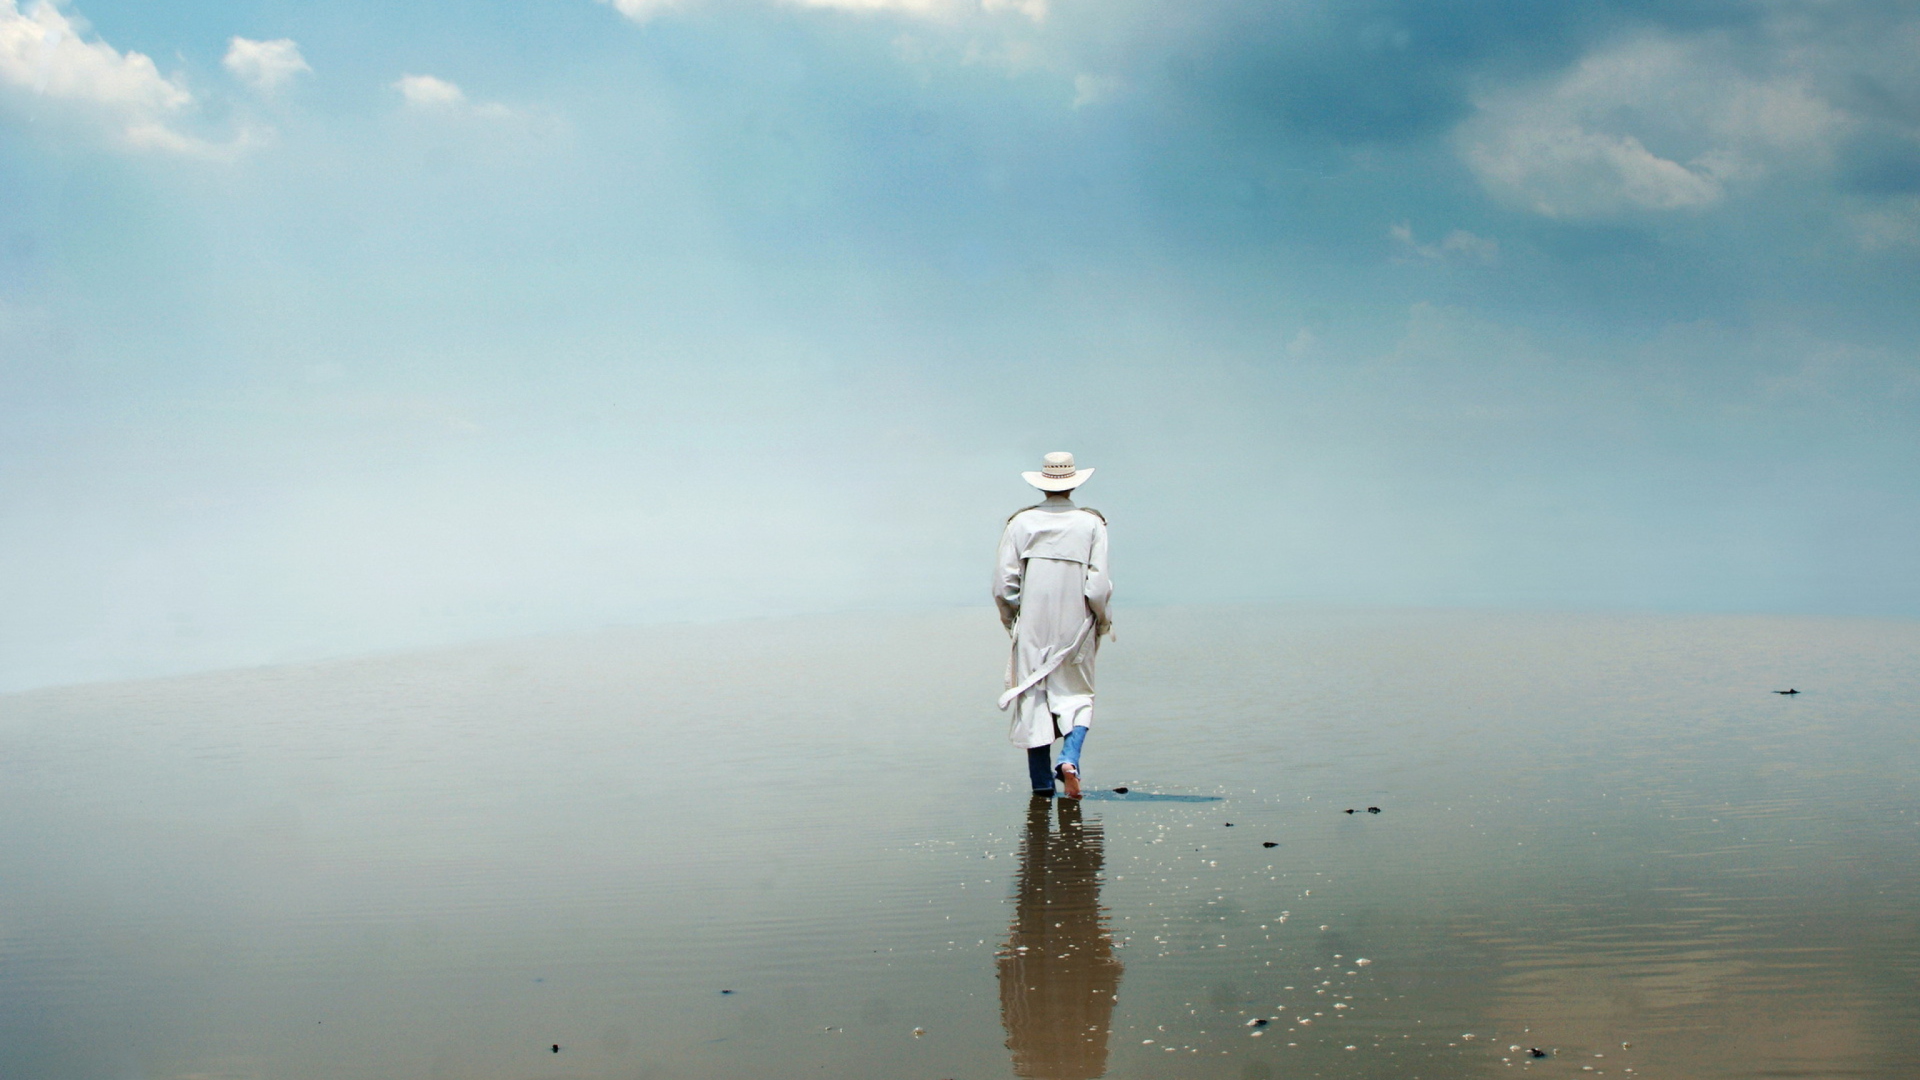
1058	473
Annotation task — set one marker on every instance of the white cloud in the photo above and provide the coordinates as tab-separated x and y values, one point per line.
427	92
157	136
1032	9
1457	246
48	65
642	10
265	65
912	7
426	95
1563	170
1657	123
44	53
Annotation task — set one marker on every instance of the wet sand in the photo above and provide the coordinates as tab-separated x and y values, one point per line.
804	848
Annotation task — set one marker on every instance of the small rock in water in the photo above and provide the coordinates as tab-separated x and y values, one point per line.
1362	962
1626	1046
917	1032
1119	791
1537	1052
1373	809
1258	1021
1268	843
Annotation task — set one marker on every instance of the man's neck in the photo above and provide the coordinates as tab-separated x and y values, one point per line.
1058	500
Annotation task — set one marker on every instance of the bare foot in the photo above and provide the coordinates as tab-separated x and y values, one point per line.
1070	780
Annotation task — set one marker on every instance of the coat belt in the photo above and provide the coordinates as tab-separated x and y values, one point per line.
1048	667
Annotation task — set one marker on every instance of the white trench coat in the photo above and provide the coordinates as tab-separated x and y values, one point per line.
1052	588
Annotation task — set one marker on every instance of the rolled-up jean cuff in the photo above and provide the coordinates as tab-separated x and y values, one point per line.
1070	747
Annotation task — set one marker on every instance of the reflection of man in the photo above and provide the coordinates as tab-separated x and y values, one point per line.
1058	974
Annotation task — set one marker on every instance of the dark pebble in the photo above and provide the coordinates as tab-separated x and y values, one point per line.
1373	809
1119	791
1260	1023
1537	1052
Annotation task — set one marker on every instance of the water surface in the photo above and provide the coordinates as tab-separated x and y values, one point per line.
804	849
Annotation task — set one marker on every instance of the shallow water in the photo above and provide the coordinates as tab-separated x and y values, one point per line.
804	849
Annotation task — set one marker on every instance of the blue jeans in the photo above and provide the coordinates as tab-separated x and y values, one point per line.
1039	767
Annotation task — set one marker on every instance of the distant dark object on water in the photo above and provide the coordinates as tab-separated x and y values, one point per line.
1229	824
1537	1052
726	991
556	1048
1258	1022
1373	809
1119	791
1351	810
1269	843
1787	691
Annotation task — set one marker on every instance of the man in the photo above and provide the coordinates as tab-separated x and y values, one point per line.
1052	589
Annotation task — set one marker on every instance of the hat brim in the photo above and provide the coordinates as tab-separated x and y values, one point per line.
1057	483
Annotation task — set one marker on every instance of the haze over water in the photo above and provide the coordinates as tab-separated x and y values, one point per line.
329	329
779	848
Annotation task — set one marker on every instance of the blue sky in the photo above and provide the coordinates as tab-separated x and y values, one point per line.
342	327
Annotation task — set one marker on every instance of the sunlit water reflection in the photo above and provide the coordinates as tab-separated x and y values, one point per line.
804	849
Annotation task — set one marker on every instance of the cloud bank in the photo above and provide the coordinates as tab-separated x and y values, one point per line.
1578	145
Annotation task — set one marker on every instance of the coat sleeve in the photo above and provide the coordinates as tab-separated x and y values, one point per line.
1008	572
1099	583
